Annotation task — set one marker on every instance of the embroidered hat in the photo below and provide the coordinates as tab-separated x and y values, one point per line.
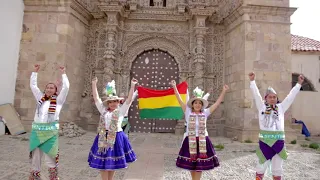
110	92
197	94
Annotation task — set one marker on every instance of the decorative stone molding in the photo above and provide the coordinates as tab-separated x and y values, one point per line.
165	14
260	13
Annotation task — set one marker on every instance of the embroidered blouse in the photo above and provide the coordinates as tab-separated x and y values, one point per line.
41	115
274	125
108	115
188	112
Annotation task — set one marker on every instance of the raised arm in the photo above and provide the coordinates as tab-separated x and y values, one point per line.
219	100
286	103
33	83
65	87
176	92
255	91
95	95
130	95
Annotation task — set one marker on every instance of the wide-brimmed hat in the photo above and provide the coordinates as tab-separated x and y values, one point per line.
110	92
197	94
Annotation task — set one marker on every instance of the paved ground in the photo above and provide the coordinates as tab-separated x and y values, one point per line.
156	160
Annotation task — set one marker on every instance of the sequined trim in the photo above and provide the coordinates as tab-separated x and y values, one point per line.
53	173
198	159
45	126
112	158
35	175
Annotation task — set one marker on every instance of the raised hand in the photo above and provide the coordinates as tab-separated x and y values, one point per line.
36	67
252	76
134	81
300	79
173	83
62	69
225	88
94	80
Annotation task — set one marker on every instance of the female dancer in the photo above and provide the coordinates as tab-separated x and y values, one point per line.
271	121
44	133
197	153
111	149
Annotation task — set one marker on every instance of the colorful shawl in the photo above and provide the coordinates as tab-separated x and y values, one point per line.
193	139
45	137
106	142
53	103
271	118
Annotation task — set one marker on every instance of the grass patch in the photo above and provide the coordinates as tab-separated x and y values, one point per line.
293	142
248	141
314	146
307	139
219	147
304	145
24	139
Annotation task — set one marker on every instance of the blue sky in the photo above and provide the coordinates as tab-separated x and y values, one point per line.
306	20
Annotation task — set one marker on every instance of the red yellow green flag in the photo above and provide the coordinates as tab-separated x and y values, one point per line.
161	104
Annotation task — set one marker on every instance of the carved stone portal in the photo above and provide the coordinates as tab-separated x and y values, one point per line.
118	41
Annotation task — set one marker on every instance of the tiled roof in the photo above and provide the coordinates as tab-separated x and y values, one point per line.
299	43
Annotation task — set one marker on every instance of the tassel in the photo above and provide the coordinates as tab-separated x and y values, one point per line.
193	157
259	176
203	156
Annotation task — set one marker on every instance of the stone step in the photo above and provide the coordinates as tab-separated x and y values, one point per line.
296	126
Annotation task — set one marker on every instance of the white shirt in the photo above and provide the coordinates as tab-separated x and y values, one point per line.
108	115
41	115
276	125
188	112
133	98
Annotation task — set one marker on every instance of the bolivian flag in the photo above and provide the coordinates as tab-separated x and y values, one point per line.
161	104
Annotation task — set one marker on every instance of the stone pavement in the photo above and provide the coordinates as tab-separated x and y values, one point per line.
156	160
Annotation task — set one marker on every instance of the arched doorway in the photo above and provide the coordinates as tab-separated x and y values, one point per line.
153	69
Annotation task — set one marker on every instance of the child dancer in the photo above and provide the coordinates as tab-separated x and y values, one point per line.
271	121
111	149
197	153
44	134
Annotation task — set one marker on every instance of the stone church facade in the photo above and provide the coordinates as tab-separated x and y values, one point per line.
207	43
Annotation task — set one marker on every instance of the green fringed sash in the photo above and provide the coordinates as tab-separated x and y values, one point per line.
269	138
45	137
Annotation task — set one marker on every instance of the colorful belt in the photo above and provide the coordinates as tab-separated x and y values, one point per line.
45	126
276	135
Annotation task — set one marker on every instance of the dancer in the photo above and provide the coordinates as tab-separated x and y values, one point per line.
197	153
111	149
272	149
44	134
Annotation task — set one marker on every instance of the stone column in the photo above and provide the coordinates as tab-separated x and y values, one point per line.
199	51
111	45
258	39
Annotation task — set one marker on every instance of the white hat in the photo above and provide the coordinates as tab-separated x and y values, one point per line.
110	92
198	95
270	90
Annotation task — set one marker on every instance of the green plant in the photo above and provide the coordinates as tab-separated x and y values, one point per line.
314	146
219	147
304	145
293	142
307	139
248	141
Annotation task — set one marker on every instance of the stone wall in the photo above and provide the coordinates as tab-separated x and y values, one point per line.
257	39
53	35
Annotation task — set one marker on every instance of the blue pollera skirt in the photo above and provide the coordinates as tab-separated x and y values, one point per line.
112	159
